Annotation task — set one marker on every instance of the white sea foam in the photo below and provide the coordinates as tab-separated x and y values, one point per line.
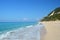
31	32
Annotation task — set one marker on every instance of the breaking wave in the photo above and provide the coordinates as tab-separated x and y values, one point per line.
31	32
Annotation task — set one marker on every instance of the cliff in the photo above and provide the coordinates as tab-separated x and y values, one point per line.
53	16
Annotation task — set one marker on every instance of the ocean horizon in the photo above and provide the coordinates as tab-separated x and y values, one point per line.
7	28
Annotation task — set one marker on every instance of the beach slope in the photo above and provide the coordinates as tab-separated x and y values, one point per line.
53	30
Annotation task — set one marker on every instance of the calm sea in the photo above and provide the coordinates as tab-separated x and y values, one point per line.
8	26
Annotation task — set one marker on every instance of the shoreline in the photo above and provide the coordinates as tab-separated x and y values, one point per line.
53	30
26	33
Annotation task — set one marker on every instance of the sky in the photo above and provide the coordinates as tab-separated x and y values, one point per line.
26	10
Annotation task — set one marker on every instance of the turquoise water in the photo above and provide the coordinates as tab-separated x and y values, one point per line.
7	26
20	30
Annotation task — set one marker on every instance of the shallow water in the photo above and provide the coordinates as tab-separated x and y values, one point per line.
7	26
27	32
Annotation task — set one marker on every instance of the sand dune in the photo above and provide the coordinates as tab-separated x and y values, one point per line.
53	30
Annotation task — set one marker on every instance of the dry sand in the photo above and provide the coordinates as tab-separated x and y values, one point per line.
53	30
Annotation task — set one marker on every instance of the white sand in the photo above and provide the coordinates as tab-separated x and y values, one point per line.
53	30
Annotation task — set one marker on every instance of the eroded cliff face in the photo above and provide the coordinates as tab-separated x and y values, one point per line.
53	16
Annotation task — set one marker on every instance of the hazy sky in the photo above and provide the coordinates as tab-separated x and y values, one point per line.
26	10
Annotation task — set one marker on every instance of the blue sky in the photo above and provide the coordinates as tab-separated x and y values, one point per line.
26	10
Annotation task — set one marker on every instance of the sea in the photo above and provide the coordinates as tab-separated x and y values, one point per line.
19	30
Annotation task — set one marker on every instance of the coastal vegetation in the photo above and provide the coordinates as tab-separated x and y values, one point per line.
53	16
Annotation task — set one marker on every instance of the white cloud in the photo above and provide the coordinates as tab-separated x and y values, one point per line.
25	19
37	19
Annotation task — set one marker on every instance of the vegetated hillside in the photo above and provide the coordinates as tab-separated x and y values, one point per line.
53	16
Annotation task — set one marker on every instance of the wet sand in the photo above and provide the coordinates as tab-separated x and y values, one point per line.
53	30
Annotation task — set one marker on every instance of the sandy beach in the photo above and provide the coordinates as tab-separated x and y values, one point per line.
53	30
